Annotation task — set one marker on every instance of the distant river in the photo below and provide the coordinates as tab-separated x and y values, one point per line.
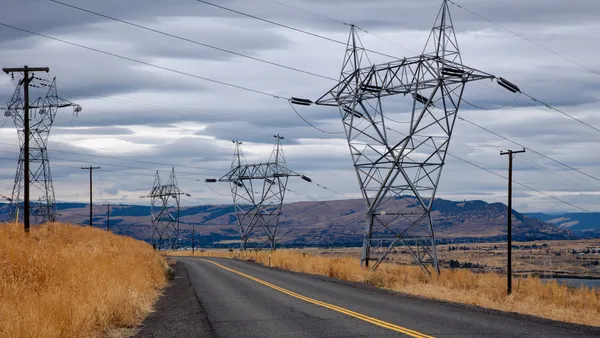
577	282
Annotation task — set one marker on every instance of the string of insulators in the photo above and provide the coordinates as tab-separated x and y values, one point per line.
421	98
508	85
452	72
371	88
353	112
302	102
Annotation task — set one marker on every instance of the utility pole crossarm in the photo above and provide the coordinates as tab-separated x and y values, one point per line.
512	152
9	70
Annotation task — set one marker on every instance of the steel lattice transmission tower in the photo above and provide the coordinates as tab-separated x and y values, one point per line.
391	167
42	112
164	212
258	191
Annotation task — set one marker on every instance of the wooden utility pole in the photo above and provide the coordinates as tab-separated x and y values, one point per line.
107	216
510	154
91	169
25	82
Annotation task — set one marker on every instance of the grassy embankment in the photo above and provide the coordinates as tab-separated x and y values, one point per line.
530	295
72	281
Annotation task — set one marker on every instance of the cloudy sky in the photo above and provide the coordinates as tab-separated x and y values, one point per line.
137	118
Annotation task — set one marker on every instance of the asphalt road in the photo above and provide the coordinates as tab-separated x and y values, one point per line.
242	299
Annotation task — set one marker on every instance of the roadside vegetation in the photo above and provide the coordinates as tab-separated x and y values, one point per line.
530	296
71	281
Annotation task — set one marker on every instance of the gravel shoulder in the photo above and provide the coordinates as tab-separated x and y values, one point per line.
178	312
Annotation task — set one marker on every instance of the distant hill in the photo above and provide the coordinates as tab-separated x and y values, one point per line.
326	223
581	224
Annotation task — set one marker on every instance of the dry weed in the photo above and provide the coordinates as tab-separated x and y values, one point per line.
71	281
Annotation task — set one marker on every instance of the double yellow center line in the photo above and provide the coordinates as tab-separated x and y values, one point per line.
357	315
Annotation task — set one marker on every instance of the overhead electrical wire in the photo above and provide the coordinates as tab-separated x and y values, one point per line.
191	41
241	87
144	62
233	85
561	112
110	165
493	108
307	11
236	86
312	125
153	65
125	159
216	192
526	39
504	177
528	148
289	27
555	176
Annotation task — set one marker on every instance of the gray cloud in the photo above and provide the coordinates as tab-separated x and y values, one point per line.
142	119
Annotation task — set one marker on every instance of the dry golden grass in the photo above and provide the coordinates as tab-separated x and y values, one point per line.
71	281
530	295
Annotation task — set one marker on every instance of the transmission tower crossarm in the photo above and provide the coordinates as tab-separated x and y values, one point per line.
9	70
400	77
256	172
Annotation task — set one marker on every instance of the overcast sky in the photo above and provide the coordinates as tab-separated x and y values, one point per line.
134	112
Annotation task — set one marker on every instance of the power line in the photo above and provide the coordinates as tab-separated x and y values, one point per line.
144	62
526	39
216	192
107	170
309	12
290	27
192	41
340	21
554	175
151	65
528	148
560	111
522	184
494	108
312	125
506	178
123	166
124	159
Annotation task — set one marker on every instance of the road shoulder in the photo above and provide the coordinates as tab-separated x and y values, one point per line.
178	312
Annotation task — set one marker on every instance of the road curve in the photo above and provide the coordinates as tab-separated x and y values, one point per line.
243	299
